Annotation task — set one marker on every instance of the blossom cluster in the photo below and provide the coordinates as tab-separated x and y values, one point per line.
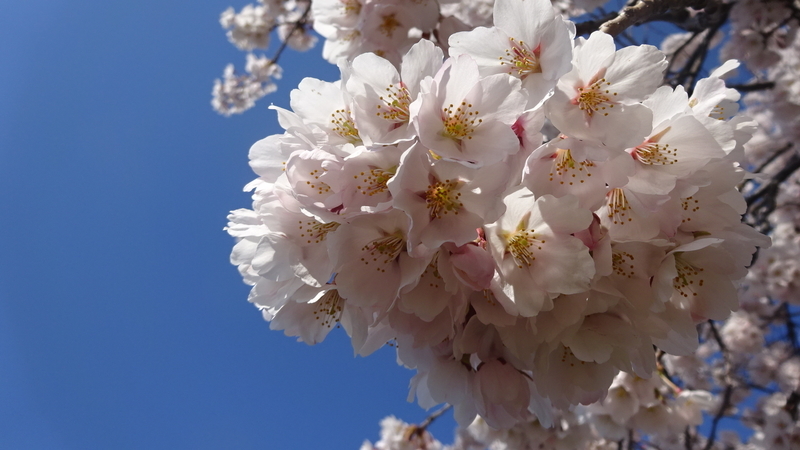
350	27
654	407
248	30
523	219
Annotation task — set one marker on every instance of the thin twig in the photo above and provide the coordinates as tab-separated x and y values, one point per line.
425	423
297	26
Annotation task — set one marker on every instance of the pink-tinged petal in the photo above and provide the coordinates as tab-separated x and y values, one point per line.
473	265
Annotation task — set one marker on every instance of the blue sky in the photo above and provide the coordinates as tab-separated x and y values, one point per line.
122	324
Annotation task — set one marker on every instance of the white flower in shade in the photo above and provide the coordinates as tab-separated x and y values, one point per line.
315	179
446	201
371	259
313	313
599	99
612	337
566	380
502	394
364	175
537	256
714	207
690	406
699	278
466	118
634	216
436	289
386	24
382	94
620	404
529	41
582	168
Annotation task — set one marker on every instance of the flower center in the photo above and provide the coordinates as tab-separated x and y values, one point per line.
564	164
653	153
520	245
688	278
374	181
396	101
690	206
442	198
656	154
351	7
344	126
383	250
388	24
520	59
315	232
595	97
329	308
622	263
459	121
319	186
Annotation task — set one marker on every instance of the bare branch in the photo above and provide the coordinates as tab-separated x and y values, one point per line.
646	10
753	86
429	420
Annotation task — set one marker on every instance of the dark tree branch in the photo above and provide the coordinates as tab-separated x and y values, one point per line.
646	10
726	402
753	86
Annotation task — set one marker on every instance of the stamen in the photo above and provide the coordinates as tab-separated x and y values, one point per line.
690	206
595	97
344	126
329	308
396	101
315	232
618	207
622	263
374	181
520	59
459	121
383	251
442	198
520	245
319	186
653	153
689	277
564	164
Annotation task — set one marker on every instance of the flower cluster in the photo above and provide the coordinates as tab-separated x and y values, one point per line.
419	204
248	30
655	407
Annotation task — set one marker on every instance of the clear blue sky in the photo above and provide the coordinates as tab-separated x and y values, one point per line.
122	324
